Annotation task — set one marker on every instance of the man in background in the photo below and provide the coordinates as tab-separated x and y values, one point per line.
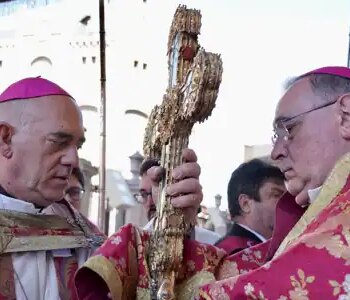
75	190
146	198
252	193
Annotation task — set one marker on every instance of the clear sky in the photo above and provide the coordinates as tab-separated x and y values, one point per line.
262	43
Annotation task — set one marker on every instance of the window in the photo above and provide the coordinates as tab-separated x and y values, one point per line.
93	59
41	65
135	63
144	66
41	60
85	20
84	60
0	63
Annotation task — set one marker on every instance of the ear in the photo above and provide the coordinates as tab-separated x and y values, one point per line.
344	116
6	134
245	203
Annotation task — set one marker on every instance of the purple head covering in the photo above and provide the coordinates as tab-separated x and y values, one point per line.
336	71
31	88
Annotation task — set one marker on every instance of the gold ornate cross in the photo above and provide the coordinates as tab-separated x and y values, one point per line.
194	80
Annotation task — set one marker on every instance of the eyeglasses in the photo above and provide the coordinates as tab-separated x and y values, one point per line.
75	192
142	197
281	130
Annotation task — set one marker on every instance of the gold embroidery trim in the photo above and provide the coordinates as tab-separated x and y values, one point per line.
190	287
143	294
10	218
184	291
204	295
106	270
43	243
331	188
13	242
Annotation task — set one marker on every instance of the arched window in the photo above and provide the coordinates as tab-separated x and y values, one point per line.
41	60
41	65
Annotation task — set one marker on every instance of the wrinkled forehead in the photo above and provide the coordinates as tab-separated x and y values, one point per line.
297	98
57	113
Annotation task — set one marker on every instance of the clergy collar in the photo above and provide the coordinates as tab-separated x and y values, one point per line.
14	204
313	194
3	192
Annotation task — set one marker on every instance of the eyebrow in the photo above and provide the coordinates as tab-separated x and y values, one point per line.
281	119
66	136
284	119
276	189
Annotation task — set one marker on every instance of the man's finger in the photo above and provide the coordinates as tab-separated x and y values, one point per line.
156	174
185	186
188	201
155	193
188	155
187	170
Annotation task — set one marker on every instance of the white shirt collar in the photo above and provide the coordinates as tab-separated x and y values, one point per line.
253	232
313	194
17	205
149	225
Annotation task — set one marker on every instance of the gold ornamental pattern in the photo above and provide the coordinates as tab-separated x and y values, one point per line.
194	81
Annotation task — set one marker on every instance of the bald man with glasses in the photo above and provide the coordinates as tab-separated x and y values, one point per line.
308	256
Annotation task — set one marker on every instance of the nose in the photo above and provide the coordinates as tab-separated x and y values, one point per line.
71	157
279	150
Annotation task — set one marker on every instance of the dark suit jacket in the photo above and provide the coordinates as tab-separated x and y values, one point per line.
237	239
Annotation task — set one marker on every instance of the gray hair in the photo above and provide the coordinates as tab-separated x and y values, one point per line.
326	86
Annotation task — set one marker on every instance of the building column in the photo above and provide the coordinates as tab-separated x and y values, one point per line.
88	171
135	214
